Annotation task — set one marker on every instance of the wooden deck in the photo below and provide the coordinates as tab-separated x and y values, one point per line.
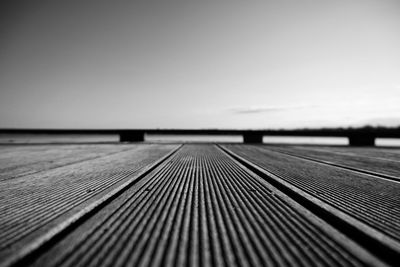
154	204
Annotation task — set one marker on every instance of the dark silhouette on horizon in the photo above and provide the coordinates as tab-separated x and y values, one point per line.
361	136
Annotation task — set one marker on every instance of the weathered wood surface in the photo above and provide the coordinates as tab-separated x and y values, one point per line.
201	208
388	153
30	205
369	199
386	163
197	205
27	159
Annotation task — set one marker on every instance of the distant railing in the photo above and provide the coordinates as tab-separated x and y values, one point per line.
357	136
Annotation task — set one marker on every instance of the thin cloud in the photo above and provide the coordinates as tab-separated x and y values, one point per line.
267	109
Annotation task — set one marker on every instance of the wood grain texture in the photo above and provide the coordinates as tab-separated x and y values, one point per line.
373	201
377	161
21	160
200	208
197	205
32	204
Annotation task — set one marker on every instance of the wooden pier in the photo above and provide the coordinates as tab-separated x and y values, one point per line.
357	136
149	204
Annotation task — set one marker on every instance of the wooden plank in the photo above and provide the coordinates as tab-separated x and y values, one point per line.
373	201
17	160
390	154
200	208
32	204
373	160
386	248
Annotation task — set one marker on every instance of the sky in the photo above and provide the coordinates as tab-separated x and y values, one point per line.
199	64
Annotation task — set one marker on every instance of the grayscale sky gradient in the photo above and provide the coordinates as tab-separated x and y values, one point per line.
199	64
